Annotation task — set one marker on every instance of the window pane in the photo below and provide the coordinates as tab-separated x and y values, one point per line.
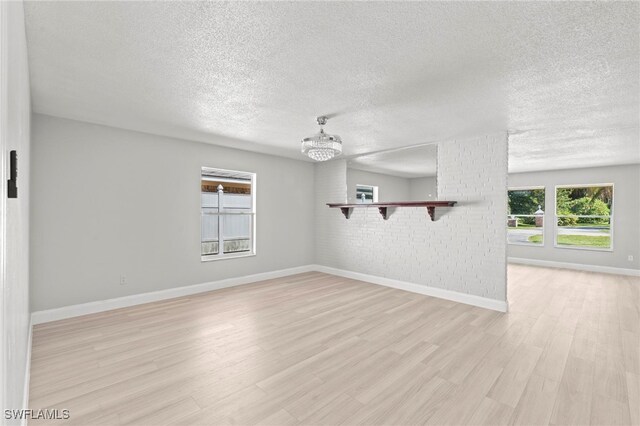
584	200
584	216
365	194
525	223
520	232
209	231
227	212
237	233
209	248
575	231
526	202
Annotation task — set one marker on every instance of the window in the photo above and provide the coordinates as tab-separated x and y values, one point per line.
227	214
583	216
525	221
366	194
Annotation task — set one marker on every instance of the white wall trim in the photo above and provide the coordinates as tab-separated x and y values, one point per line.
27	374
71	311
576	266
468	299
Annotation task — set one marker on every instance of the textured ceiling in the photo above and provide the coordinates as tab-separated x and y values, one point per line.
415	162
562	77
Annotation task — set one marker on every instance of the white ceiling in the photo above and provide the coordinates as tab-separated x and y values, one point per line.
563	77
415	162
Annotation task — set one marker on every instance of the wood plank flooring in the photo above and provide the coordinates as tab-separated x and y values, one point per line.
319	349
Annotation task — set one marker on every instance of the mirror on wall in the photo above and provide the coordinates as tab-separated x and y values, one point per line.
407	174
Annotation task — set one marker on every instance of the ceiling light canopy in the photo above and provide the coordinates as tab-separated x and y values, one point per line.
322	146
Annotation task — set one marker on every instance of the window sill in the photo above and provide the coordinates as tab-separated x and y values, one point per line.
525	244
224	256
583	248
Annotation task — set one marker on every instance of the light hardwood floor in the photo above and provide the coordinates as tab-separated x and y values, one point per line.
319	349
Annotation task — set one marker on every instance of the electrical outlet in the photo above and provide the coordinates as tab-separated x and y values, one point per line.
123	280
630	258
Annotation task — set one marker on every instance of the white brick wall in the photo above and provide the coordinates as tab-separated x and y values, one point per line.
330	187
463	250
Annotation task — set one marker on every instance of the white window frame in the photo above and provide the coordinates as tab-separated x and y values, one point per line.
224	256
544	226
374	191
555	213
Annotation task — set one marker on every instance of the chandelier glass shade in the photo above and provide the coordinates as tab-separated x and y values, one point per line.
322	146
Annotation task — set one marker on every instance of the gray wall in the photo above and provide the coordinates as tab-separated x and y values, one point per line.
390	188
626	220
421	189
110	202
15	128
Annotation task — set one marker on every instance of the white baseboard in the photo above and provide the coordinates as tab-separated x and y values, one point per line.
65	312
576	266
468	299
27	374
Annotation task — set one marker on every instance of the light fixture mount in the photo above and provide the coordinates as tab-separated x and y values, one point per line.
322	146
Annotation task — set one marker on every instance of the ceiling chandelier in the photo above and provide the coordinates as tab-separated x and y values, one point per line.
322	146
